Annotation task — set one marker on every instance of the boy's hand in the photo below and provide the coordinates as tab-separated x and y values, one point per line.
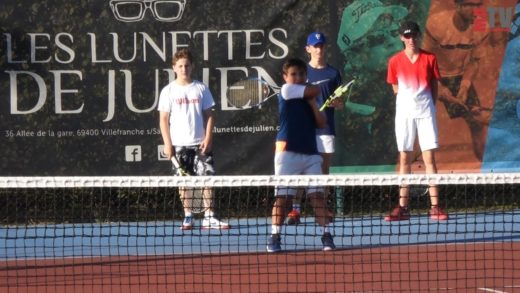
205	146
168	151
337	104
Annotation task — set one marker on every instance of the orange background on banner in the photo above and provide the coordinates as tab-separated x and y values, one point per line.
456	153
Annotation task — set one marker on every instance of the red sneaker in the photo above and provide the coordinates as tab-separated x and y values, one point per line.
293	218
438	214
398	214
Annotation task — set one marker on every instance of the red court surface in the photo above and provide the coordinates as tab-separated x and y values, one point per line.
480	267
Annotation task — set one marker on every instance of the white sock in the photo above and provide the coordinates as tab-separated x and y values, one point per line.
276	229
209	214
187	215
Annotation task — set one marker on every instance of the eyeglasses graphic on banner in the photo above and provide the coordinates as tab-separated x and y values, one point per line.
135	10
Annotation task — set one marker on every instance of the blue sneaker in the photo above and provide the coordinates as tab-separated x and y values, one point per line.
274	243
328	243
187	224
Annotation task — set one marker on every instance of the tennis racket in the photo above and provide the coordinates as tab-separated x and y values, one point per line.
338	93
192	197
249	93
178	166
417	191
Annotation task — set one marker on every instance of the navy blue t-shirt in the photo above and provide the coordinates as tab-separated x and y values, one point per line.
297	126
328	79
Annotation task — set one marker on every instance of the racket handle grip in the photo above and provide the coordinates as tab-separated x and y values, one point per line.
175	162
325	105
178	167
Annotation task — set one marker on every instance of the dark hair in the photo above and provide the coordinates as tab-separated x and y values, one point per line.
181	54
294	62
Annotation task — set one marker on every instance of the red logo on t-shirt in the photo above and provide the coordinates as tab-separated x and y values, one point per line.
184	101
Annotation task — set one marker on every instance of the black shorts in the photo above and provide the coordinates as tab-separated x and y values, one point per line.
194	161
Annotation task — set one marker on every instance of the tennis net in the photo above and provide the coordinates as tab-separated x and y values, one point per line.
122	234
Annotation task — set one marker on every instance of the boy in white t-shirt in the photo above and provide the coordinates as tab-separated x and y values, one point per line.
186	121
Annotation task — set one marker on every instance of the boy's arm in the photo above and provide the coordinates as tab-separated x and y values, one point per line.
310	94
299	91
319	117
395	88
164	124
209	118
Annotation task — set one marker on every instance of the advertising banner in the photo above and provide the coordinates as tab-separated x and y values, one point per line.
80	80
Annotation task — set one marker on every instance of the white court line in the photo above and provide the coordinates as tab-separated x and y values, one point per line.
491	290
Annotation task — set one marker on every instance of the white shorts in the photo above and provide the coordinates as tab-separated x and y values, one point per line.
325	143
291	163
407	128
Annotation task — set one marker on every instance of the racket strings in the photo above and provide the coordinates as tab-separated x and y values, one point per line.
249	93
243	92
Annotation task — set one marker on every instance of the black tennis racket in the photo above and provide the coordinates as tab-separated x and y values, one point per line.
192	197
249	93
343	89
417	191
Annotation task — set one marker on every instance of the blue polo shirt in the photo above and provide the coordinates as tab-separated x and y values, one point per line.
328	79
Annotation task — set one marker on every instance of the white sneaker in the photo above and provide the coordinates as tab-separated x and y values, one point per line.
213	223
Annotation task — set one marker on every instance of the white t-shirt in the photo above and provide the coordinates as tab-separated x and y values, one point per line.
186	104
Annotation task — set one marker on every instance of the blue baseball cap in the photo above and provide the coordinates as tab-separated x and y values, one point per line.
316	38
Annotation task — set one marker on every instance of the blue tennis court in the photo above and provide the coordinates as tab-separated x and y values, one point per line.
248	235
124	239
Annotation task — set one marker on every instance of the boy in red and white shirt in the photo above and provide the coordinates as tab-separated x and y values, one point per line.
413	74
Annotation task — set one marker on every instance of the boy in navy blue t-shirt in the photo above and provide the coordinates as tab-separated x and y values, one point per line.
296	151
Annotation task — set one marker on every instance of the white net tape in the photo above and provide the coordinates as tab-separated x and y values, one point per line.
259	180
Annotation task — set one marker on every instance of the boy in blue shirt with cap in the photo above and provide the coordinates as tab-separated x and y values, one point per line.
327	78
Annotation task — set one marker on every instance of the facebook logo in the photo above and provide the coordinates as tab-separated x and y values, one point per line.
133	153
